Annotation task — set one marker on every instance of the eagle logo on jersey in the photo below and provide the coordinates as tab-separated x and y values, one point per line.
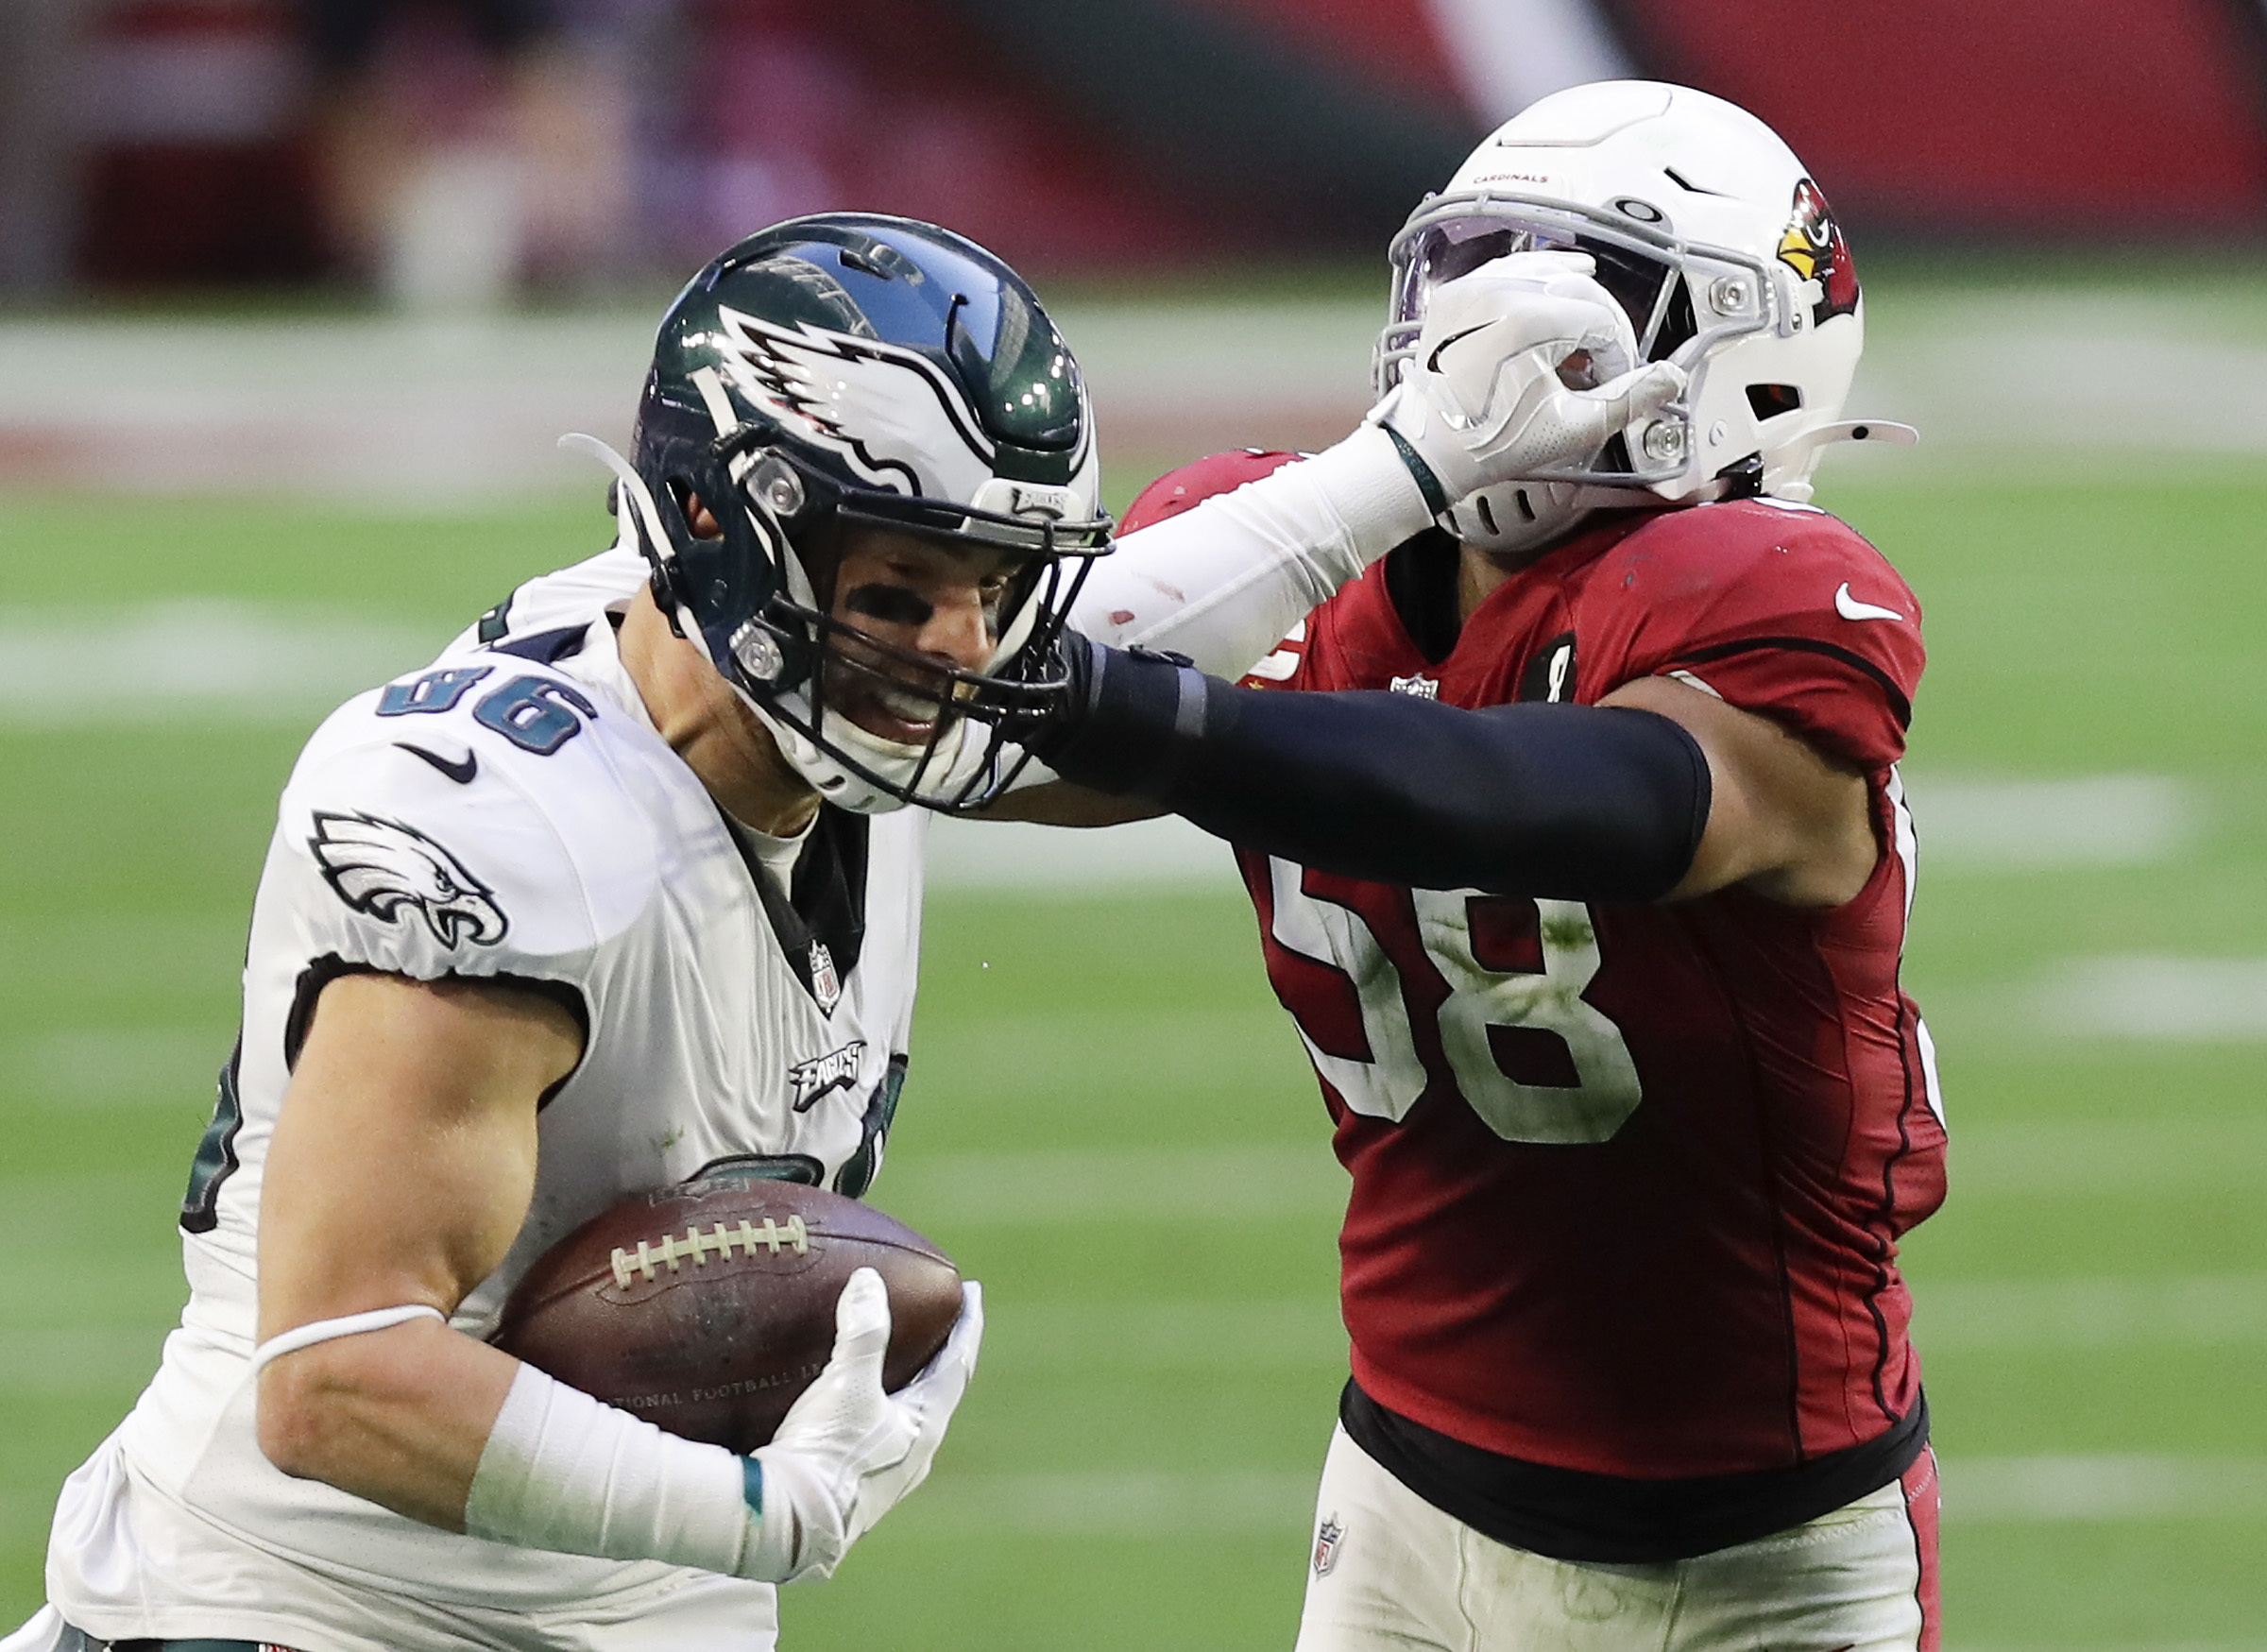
380	866
821	385
823	1074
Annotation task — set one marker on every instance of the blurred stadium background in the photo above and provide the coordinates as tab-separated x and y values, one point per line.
291	312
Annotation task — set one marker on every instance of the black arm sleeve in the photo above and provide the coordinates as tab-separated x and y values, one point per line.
1566	802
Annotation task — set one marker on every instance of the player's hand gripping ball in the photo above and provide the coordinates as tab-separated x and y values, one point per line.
707	1308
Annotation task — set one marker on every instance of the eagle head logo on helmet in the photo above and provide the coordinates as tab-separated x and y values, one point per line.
847	372
839	375
888	415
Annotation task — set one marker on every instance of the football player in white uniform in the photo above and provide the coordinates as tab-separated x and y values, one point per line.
612	896
565	917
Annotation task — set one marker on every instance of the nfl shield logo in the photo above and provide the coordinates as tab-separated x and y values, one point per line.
1423	687
1326	1544
825	985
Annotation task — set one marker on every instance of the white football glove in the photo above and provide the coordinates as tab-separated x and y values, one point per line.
1481	401
846	1451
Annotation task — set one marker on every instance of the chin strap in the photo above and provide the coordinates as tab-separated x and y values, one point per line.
1745	478
1798	455
836	780
1806	446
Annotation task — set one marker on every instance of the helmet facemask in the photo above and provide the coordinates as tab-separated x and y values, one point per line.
869	722
1723	254
1684	300
849	379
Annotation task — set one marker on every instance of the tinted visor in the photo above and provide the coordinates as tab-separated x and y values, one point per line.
1640	281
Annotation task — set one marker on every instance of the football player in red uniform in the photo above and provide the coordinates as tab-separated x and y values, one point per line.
1583	865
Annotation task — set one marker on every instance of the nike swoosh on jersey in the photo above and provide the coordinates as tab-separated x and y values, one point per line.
460	771
1851	608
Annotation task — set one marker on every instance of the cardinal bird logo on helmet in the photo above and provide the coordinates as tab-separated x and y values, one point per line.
1813	247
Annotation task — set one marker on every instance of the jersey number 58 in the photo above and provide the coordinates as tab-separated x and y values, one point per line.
1518	1041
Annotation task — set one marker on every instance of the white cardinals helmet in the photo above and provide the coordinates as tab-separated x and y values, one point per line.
1721	248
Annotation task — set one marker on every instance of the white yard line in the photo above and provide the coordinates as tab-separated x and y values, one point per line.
193	660
1985	823
2095	1489
2148	995
1074	1186
1133	1503
1106	1503
439	410
1199	1337
2079	1313
2147	1156
1966	824
2000	1316
403	411
2151	1153
1994	378
1192	1337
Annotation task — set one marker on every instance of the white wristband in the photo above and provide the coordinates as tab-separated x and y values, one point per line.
562	1470
1225	582
315	1330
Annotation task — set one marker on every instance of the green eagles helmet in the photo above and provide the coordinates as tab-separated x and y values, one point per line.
855	368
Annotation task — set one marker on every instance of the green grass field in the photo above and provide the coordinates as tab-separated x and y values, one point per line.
1109	1122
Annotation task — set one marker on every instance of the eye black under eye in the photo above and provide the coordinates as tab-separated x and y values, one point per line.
893	604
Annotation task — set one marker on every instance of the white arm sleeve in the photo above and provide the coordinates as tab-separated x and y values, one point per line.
1224	582
561	1471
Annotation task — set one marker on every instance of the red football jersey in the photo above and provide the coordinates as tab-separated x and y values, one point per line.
1628	1180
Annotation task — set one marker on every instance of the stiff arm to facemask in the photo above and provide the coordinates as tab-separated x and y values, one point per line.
1523	366
1224	583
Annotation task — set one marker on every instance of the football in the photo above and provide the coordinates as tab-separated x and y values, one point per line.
707	1309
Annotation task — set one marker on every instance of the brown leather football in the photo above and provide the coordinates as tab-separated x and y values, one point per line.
707	1308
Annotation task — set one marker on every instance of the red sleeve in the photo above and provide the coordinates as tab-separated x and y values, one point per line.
1782	610
1198	481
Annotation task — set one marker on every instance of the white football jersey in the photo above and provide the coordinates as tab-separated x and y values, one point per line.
509	813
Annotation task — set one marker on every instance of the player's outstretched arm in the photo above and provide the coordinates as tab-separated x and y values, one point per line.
1660	792
1505	384
1789	822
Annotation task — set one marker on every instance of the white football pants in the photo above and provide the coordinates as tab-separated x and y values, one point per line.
1390	1573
